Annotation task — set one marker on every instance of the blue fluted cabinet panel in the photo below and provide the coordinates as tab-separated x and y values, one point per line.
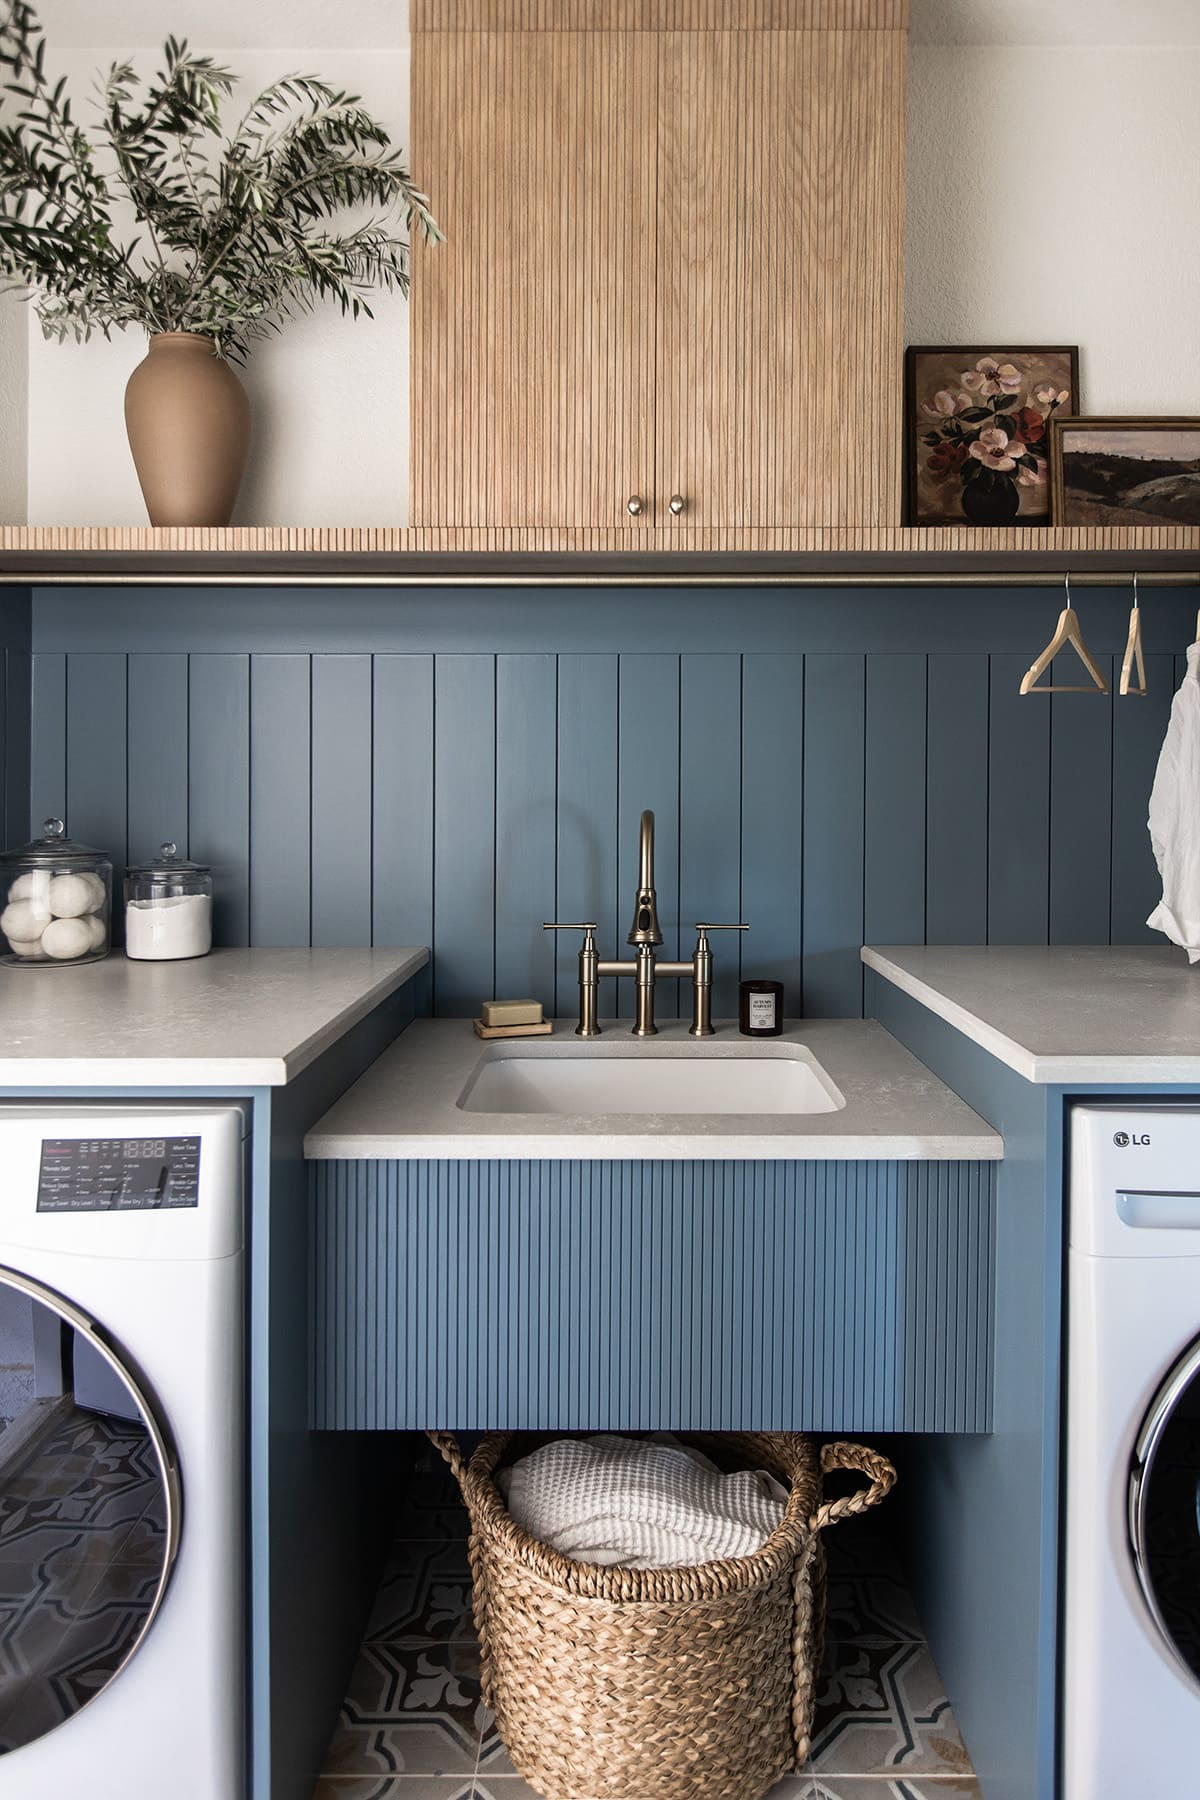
842	1296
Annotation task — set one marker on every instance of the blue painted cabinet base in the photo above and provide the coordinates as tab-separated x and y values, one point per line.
826	1297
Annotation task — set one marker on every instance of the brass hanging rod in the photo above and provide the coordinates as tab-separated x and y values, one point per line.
335	578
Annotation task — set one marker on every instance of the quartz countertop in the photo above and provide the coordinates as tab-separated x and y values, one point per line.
246	1018
406	1104
1093	1013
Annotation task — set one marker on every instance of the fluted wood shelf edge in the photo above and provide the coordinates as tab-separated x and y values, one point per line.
398	555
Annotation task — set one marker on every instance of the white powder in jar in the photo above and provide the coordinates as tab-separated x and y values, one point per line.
162	930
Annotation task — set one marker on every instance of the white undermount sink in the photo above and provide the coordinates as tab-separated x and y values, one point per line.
573	1081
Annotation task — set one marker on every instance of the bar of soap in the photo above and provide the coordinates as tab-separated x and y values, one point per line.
512	1012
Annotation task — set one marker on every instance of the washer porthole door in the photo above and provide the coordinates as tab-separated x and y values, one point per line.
89	1511
1164	1511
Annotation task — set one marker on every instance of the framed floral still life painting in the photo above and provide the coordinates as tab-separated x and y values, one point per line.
1125	471
977	431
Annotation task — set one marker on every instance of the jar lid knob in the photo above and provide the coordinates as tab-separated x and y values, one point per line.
168	849
53	828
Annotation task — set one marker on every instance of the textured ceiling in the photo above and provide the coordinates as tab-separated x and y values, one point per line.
1077	22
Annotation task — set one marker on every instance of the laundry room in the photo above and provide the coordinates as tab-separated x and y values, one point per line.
599	900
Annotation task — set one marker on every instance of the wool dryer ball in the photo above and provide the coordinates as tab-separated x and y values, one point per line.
33	885
71	896
65	939
22	922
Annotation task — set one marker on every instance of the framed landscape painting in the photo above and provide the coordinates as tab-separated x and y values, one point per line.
1125	471
977	425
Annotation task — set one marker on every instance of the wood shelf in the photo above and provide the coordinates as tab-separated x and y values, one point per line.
391	555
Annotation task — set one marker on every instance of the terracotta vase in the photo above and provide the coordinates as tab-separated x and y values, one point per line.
188	421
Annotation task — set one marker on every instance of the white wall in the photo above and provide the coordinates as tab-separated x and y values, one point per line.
14	373
1052	198
329	396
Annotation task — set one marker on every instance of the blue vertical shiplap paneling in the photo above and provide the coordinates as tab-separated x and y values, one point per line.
915	796
834	779
526	823
281	820
158	753
15	748
1081	735
587	819
1139	726
464	833
710	816
219	765
956	800
1019	808
48	749
97	741
648	776
341	800
894	824
403	800
772	820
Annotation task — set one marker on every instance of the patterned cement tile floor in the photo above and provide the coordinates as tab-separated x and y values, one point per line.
414	1726
82	1540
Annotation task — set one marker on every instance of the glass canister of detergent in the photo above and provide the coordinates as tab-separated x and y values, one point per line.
55	901
168	908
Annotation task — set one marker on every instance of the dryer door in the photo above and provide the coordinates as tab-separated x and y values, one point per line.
89	1514
1164	1511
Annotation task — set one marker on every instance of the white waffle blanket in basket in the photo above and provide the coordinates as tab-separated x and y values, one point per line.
642	1504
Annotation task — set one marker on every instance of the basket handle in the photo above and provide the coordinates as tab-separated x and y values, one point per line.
866	1462
447	1443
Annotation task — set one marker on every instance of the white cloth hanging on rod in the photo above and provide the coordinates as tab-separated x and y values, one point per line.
1175	816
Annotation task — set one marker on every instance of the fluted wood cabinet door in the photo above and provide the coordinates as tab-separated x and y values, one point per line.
533	324
779	259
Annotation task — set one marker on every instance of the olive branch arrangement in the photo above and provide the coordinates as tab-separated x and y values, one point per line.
233	233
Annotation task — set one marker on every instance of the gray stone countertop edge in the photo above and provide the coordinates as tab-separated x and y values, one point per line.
406	1104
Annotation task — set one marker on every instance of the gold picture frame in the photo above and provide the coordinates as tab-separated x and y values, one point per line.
1095	478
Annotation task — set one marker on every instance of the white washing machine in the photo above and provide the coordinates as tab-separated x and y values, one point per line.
1131	1642
122	1629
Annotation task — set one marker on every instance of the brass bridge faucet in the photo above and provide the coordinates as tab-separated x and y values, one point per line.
645	935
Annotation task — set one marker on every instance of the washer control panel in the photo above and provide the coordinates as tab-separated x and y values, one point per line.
86	1175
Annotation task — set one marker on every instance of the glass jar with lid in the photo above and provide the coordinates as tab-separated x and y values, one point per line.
57	901
168	908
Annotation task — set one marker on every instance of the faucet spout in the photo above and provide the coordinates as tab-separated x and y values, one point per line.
646	851
645	929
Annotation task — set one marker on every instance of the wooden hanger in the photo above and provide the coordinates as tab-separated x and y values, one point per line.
1067	631
1133	650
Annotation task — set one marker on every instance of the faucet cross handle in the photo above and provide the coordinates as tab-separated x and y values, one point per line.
702	975
589	973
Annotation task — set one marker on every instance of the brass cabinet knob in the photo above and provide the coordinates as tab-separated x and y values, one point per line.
677	504
634	504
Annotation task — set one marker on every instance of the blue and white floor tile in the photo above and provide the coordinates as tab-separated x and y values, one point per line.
414	1726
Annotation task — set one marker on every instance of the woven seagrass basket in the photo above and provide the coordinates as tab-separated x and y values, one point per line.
688	1683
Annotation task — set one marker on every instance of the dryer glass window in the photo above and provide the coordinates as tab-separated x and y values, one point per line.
88	1513
1165	1510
